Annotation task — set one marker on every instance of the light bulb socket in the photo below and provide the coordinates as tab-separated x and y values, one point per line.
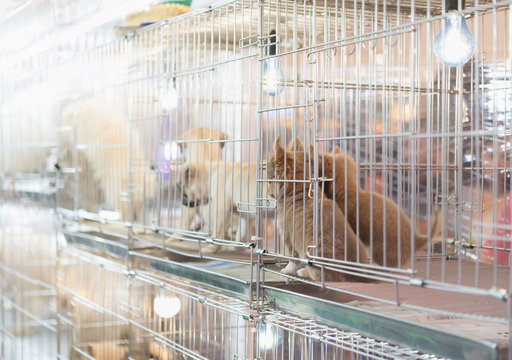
453	5
272	43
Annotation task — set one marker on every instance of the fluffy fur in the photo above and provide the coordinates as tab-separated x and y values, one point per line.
218	184
295	221
392	229
198	152
107	350
104	145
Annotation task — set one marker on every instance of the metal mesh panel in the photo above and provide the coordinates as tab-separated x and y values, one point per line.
319	143
415	137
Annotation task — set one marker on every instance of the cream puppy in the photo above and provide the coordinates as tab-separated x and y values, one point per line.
220	185
105	148
196	148
295	210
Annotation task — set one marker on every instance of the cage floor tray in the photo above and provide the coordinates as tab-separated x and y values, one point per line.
443	333
459	323
473	319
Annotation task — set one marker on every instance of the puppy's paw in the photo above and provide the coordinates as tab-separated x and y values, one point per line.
290	269
309	273
304	272
211	249
196	224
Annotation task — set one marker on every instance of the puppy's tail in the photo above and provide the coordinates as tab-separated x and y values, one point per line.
420	240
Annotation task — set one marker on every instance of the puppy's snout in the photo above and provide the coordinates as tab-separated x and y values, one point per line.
187	202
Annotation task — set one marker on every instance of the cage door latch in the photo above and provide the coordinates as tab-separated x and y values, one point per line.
251	40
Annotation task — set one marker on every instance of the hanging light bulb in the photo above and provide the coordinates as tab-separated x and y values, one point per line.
170	97
269	337
454	43
272	73
166	307
171	151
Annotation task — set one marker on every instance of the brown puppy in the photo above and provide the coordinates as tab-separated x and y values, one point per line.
390	231
295	211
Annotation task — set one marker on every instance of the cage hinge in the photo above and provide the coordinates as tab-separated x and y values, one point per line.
417	282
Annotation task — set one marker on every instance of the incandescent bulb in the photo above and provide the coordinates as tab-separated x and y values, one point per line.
269	337
272	77
171	151
454	43
169	98
166	307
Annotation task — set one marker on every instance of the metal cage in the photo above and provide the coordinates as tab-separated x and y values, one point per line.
314	154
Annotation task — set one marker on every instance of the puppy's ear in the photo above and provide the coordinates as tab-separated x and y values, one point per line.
296	145
337	150
279	159
222	136
278	148
189	171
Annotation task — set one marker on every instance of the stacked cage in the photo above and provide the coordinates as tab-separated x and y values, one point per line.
320	143
389	150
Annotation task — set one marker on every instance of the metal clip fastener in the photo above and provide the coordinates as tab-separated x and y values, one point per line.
307	250
311	191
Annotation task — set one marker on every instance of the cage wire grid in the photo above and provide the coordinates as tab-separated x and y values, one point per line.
124	309
358	75
226	318
383	132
